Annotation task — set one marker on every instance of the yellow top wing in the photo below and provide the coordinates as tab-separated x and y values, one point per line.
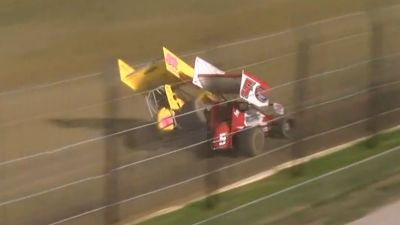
144	78
126	74
177	66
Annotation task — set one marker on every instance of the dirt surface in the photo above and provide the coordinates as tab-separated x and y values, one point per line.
45	41
55	130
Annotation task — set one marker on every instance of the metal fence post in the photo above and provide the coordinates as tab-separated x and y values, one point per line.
376	51
111	185
302	64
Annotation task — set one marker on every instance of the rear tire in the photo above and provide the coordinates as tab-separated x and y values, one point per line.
251	141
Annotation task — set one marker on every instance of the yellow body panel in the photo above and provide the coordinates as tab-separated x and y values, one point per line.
154	75
176	66
165	119
174	102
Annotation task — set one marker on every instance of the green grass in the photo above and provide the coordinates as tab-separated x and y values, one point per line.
47	40
348	206
305	197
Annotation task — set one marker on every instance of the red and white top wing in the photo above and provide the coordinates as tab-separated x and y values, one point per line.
204	68
249	87
254	90
210	78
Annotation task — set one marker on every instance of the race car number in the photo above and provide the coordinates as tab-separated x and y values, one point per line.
222	139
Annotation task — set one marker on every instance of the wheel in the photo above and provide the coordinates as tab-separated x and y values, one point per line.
201	102
251	141
286	128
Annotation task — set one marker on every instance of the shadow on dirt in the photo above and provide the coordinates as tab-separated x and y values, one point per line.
133	133
138	134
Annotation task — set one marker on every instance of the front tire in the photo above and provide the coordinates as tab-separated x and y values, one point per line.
286	128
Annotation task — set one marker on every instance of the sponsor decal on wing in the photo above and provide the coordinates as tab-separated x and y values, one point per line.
253	90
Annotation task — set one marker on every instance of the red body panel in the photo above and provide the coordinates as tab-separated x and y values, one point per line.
222	138
224	121
219	127
238	119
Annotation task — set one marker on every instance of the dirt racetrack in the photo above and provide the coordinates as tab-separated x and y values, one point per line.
57	142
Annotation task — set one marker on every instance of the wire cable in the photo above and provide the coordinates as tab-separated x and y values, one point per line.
218	170
204	142
94	139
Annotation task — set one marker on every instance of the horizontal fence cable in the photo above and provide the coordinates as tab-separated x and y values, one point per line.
98	138
220	169
207	141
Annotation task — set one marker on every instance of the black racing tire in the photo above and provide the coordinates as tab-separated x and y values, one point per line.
200	103
286	128
251	141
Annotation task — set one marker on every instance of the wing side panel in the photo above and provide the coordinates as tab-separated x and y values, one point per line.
177	66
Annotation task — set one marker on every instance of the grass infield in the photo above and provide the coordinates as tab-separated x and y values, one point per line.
335	197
